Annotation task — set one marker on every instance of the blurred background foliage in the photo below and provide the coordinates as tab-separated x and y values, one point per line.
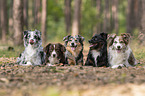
91	19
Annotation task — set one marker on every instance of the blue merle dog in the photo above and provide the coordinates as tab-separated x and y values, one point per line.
74	49
33	53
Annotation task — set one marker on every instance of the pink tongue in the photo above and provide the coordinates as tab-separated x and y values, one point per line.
118	51
91	45
73	48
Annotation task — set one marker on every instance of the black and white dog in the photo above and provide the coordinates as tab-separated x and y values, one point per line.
74	52
119	51
97	55
33	53
55	54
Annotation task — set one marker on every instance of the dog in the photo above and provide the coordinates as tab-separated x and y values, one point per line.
74	49
33	53
119	51
55	54
97	55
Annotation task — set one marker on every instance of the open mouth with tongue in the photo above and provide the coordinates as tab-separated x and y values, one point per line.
73	47
118	50
93	45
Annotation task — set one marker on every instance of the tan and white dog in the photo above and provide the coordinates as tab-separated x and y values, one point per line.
119	51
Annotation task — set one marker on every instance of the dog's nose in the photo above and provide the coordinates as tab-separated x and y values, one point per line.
72	44
118	47
31	41
54	55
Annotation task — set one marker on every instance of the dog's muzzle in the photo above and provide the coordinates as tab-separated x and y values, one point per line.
118	49
92	45
54	55
73	46
31	41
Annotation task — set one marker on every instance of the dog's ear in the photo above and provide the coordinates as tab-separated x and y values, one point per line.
81	38
46	49
38	33
126	37
62	48
66	38
25	33
111	38
104	35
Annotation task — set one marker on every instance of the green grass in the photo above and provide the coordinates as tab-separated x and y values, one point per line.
8	54
138	50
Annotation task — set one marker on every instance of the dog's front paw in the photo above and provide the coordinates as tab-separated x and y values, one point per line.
50	64
118	66
27	64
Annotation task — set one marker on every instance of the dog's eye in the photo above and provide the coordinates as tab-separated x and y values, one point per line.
29	36
115	42
35	36
57	49
121	41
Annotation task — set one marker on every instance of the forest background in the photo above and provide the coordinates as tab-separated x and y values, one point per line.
58	18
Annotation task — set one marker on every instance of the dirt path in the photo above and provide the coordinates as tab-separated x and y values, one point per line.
17	80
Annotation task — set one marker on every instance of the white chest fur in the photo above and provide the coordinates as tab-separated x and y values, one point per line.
95	54
53	60
116	58
30	51
32	55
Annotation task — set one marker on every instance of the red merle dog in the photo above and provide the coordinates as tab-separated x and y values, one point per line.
55	54
119	51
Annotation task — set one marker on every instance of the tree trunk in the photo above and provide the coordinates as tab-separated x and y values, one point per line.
25	13
76	18
43	20
18	21
11	20
140	13
68	15
106	16
132	15
98	15
115	15
4	20
143	17
31	13
0	21
37	11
